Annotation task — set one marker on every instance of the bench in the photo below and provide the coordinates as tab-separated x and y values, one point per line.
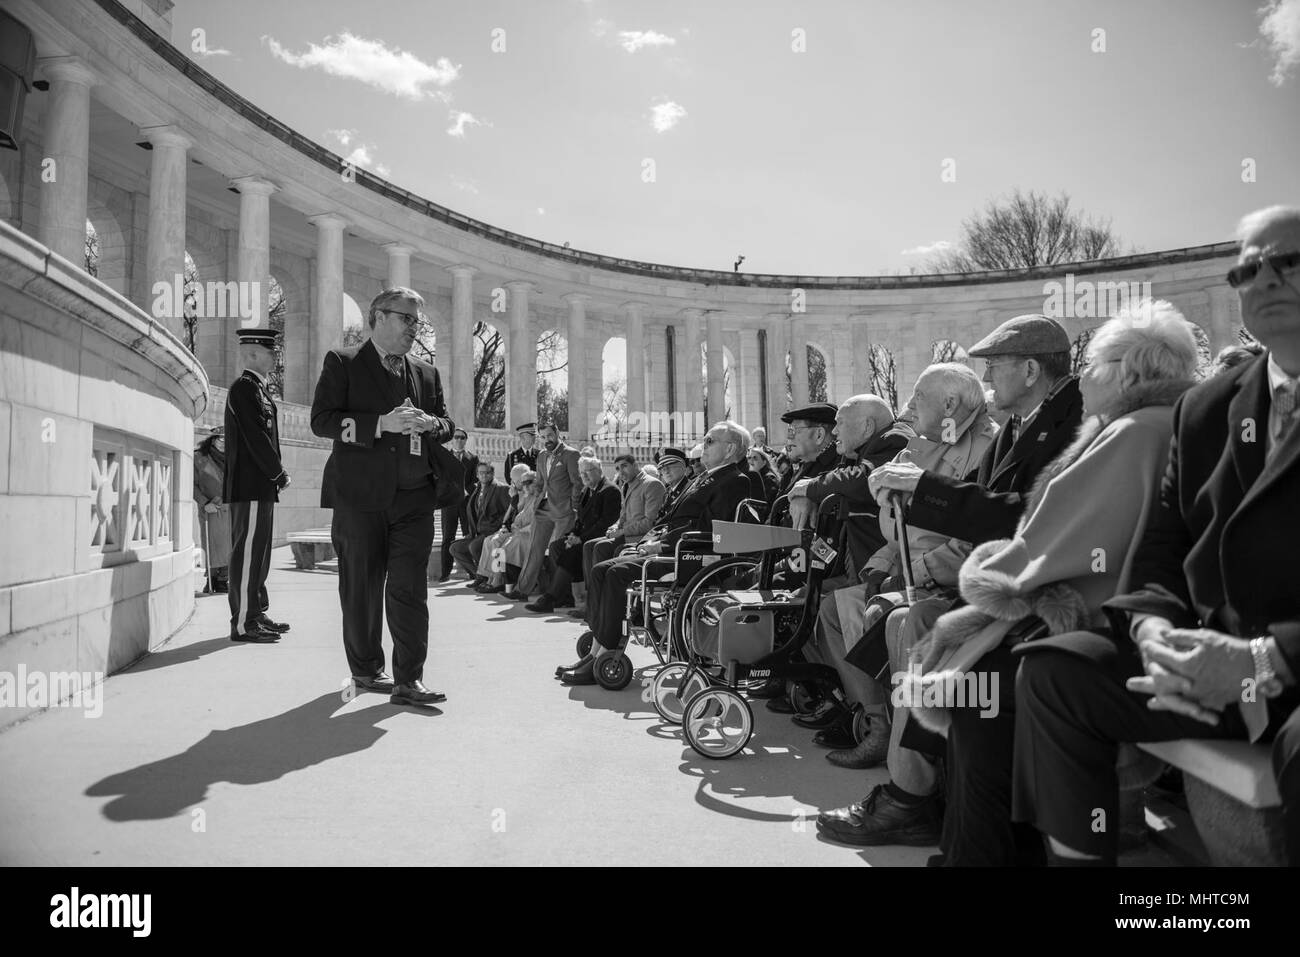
311	546
1232	796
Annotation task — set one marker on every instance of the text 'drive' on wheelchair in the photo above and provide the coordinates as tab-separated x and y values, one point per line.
736	630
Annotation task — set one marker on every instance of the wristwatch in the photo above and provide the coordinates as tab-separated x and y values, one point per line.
1266	680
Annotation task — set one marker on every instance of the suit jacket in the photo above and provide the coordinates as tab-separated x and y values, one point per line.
1219	549
988	502
353	391
597	511
713	495
469	467
253	465
487	507
643	500
563	484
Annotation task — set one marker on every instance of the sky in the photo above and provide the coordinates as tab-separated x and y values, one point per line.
810	137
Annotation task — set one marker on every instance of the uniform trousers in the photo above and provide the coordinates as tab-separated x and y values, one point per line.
251	524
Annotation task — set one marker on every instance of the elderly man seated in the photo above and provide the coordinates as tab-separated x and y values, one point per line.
596	510
953	433
1207	633
485	511
712	495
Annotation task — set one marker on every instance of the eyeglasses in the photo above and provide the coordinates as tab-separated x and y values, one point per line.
410	321
990	364
1244	274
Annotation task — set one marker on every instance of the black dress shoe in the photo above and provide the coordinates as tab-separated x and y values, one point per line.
828	713
380	682
880	819
559	672
584	674
255	635
269	625
544	605
514	595
476	582
444	577
416	694
492	589
780	705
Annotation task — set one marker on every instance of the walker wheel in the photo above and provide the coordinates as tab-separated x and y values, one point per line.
717	722
802	698
861	725
613	670
669	693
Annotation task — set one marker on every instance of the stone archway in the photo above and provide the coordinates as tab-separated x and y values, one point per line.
113	265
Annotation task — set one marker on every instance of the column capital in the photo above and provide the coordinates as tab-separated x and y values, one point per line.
169	135
67	69
461	270
253	185
397	249
632	306
327	221
576	298
520	285
778	316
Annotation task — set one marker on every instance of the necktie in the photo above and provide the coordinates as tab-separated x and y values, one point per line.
1284	407
394	365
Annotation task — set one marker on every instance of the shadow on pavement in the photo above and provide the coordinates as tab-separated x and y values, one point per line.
179	655
252	753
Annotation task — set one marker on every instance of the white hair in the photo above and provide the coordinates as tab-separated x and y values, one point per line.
1151	340
957	381
650	470
590	462
737	434
518	472
1252	222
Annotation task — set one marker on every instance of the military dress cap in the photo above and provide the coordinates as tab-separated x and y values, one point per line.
823	413
527	427
460	434
670	456
1028	335
257	337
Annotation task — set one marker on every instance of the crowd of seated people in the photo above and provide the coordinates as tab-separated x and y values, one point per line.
1099	555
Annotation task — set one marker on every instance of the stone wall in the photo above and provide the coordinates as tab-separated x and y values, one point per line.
97	404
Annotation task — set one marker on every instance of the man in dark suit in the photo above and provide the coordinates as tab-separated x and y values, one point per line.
456	517
1028	364
254	478
486	512
597	510
557	465
712	495
381	481
1209	636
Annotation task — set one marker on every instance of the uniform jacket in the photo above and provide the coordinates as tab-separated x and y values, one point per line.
253	467
353	391
562	483
643	500
671	495
487	508
988	502
714	495
517	456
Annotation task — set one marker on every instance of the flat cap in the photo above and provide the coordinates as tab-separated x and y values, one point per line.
1027	335
257	337
823	413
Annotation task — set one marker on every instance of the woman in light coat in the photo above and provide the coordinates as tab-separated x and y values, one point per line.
510	545
212	513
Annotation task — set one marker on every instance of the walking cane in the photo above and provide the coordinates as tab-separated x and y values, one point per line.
904	548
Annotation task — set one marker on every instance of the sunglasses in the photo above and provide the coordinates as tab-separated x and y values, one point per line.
1245	273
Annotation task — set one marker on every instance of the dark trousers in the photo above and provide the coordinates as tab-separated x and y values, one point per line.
607	598
598	550
453	519
1075	712
383	558
467	551
977	824
251	524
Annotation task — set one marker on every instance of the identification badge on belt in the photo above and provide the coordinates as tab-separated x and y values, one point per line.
417	443
823	550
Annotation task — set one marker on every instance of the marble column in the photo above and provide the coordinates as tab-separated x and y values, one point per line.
799	362
636	398
399	264
327	311
254	256
521	373
1222	310
460	379
165	257
580	425
690	374
63	185
776	324
717	398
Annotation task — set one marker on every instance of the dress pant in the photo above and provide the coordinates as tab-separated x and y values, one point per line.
466	553
1074	713
454	519
251	525
383	557
826	647
549	523
599	550
916	772
607	596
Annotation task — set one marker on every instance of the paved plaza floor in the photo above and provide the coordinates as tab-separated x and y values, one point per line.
214	753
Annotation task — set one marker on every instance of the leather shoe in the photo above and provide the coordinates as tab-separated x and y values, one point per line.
780	705
836	736
544	605
584	674
491	589
416	694
477	582
879	819
380	682
870	752
269	625
559	672
255	635
514	595
579	612
828	713
445	576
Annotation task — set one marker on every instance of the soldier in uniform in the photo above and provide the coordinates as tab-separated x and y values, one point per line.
527	452
254	479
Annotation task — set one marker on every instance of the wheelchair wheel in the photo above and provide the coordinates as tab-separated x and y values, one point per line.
613	670
729	572
717	723
861	725
672	687
584	643
803	698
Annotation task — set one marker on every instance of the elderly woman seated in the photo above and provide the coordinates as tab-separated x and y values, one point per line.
597	511
506	551
1082	521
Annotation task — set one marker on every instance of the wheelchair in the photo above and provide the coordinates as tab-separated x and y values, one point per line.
735	638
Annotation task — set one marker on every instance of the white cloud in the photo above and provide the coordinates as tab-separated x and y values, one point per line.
220	51
1280	29
344	137
370	61
460	120
633	40
464	185
602	27
942	246
667	115
362	154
